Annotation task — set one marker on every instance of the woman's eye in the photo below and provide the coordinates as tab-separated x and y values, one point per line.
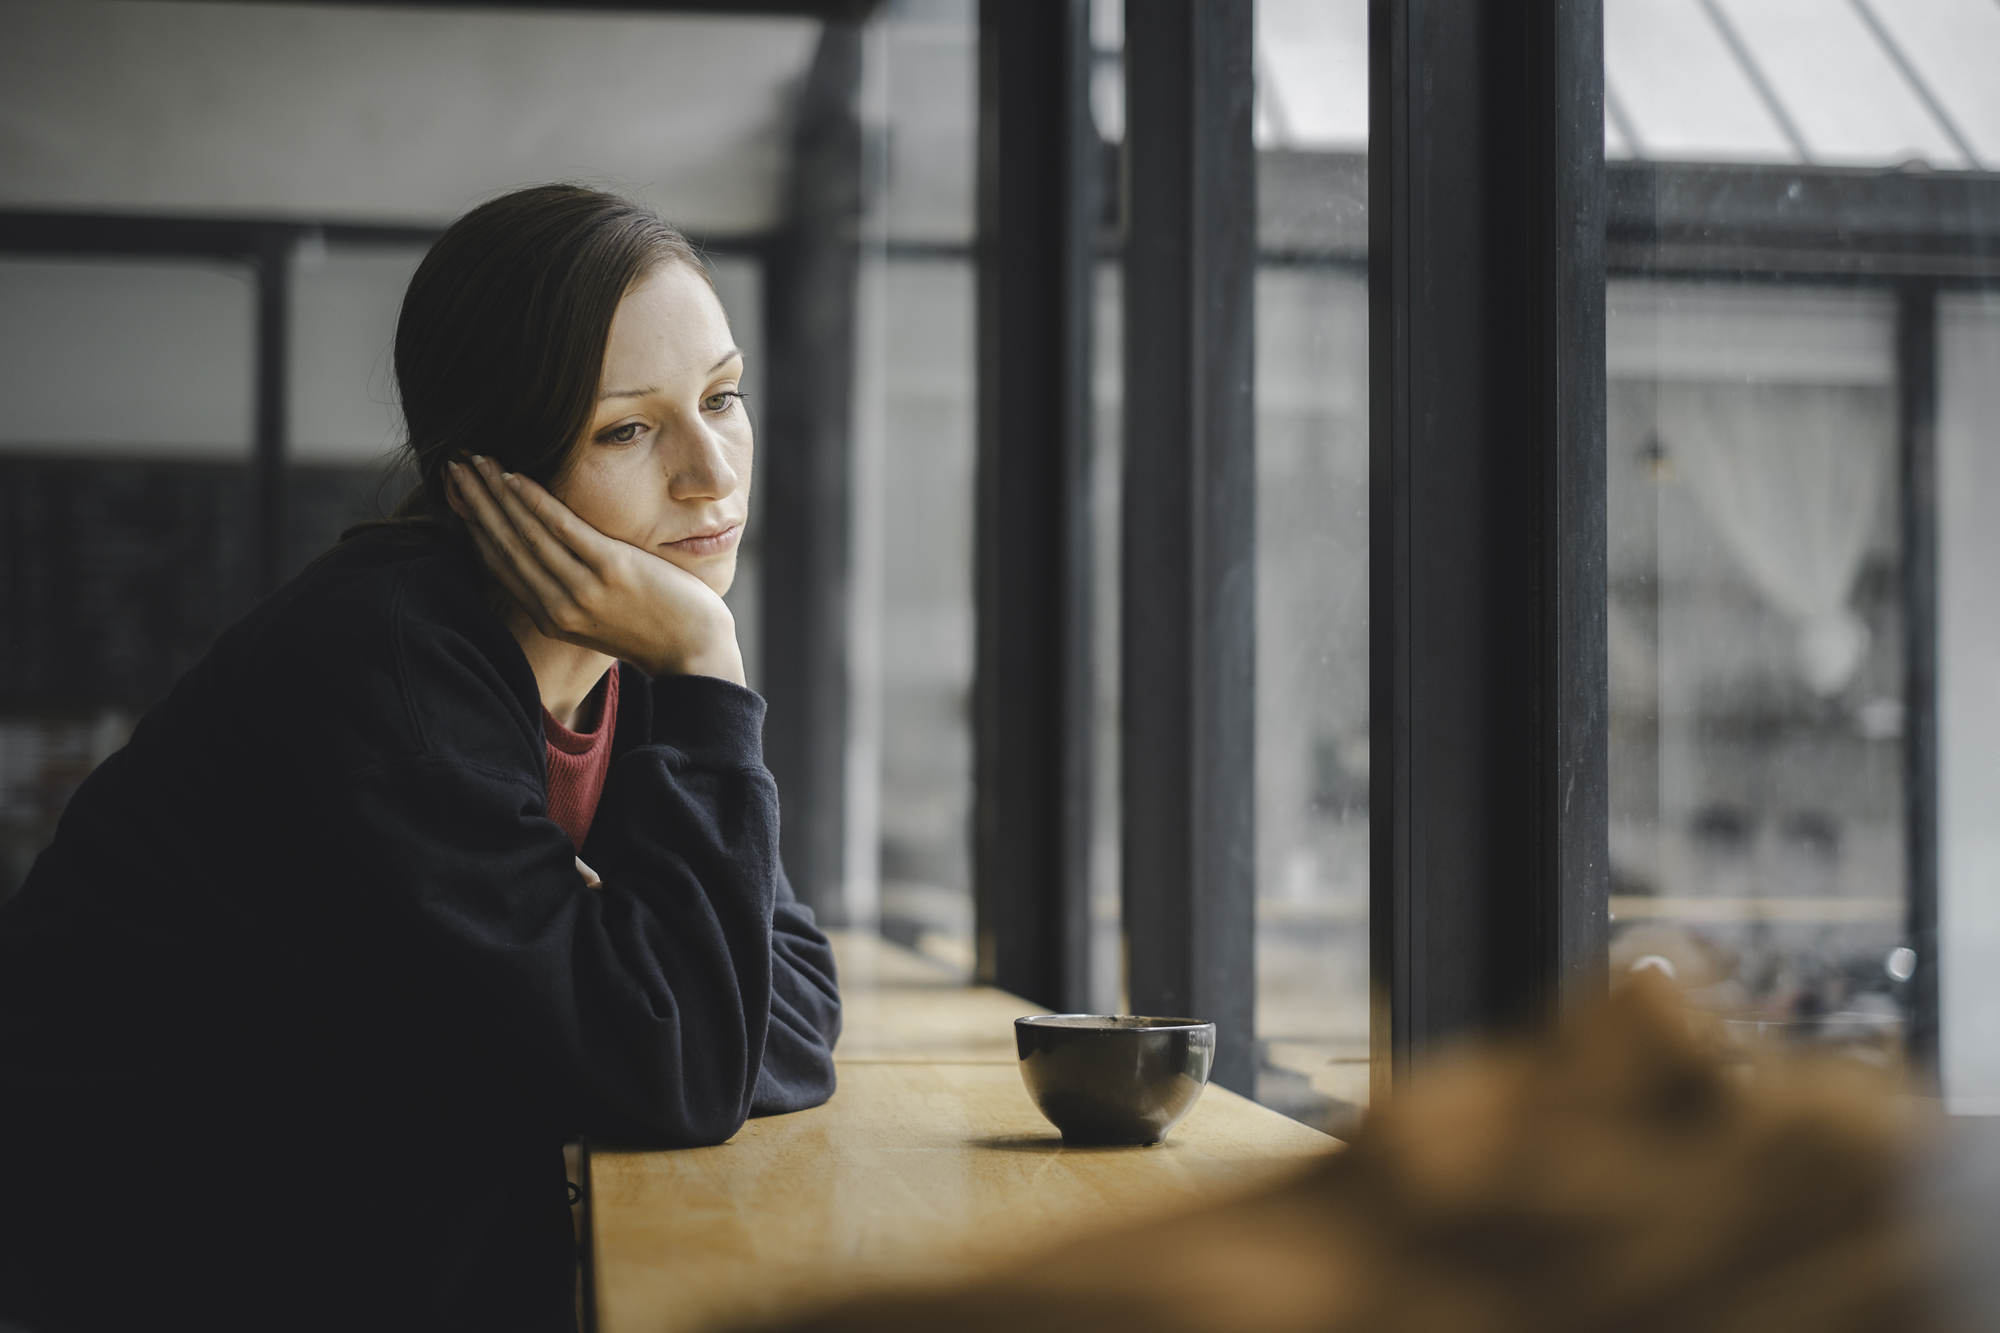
720	402
624	434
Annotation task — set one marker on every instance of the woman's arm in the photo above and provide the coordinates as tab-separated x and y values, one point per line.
580	587
805	1013
640	1011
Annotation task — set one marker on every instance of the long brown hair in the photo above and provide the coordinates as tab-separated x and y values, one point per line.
501	339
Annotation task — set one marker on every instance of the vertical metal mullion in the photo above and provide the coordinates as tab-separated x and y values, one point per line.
1039	161
1394	945
273	266
1572	586
1488	677
1188	614
1917	380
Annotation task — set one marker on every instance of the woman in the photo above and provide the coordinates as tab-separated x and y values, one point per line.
458	846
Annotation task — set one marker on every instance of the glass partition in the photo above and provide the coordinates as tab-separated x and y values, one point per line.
1802	230
126	358
1968	696
1312	560
1755	641
914	481
342	400
342	425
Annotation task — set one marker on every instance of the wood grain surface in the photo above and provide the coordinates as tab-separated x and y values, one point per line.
929	1164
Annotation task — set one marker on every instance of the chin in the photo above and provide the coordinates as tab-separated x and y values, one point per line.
719	574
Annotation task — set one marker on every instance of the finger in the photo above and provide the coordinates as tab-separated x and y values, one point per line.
586	542
510	581
562	553
485	506
590	879
570	574
516	554
503	571
577	604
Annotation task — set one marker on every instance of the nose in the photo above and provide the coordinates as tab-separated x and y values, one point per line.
699	469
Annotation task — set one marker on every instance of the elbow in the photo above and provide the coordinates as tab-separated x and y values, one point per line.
796	1079
682	1126
685	1104
712	1134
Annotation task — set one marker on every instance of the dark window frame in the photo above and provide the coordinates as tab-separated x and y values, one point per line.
1487	582
1039	210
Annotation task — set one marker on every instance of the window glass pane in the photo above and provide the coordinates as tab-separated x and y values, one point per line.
345	299
343	426
927	616
1755	641
911	785
128	358
1798	262
1968	492
1107	909
1312	561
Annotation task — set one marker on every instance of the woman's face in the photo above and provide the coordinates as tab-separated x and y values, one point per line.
666	462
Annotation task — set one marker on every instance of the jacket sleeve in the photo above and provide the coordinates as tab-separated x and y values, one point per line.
805	1012
657	1010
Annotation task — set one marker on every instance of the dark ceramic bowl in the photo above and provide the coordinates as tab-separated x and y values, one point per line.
1114	1080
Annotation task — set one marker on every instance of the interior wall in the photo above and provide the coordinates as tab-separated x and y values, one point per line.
367	112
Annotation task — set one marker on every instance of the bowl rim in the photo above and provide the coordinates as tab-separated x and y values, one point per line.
1153	1024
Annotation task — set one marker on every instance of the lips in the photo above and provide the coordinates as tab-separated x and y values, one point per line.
713	542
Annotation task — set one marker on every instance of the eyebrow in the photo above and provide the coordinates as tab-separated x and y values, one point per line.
646	390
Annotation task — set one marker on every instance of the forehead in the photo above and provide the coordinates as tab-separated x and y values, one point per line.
669	325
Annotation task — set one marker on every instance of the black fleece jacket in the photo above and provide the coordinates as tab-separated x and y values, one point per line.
301	1004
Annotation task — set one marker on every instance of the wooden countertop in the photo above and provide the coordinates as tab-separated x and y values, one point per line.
929	1164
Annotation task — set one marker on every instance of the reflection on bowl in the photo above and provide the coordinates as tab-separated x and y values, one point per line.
1103	1079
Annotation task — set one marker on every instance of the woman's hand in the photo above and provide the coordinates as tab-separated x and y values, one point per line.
579	586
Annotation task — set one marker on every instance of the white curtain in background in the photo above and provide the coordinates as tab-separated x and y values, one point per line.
1791	475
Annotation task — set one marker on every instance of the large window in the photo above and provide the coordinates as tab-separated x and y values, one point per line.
1799	213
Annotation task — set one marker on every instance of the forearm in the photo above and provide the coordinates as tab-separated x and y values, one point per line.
805	1015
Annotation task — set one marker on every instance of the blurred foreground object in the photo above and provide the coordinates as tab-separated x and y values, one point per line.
1619	1176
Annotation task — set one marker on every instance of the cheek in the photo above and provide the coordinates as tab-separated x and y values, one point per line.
601	491
742	453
